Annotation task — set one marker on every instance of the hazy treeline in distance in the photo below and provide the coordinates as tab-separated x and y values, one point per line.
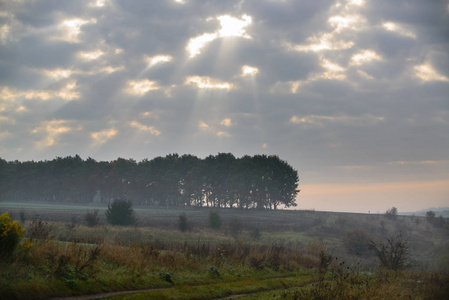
221	180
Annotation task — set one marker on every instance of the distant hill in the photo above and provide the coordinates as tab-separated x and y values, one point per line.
439	211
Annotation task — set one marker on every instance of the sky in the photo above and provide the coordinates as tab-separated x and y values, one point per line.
353	94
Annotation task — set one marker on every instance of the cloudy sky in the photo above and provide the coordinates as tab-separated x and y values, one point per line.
353	94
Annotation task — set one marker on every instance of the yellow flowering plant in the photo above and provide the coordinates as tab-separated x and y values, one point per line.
12	236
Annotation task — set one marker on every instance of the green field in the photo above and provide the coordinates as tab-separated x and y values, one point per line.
256	254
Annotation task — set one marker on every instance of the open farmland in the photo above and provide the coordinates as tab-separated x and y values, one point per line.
274	250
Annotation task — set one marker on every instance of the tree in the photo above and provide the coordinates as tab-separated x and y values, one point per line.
391	213
430	216
121	212
393	253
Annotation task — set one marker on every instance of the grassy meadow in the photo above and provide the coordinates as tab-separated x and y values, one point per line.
256	254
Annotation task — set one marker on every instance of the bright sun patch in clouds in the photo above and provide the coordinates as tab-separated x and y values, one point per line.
158	59
344	22
390	26
58	73
364	57
71	29
249	71
197	43
141	87
98	3
321	121
67	92
230	27
145	128
52	129
326	41
204	82
91	55
101	137
427	73
226	122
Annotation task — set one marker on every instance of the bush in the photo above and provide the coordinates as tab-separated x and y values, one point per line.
121	212
356	241
11	235
39	230
214	219
91	218
236	227
393	253
439	222
183	222
430	216
391	213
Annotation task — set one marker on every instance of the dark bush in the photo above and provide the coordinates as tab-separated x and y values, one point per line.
91	218
183	222
393	252
235	227
38	229
214	219
356	241
391	213
121	212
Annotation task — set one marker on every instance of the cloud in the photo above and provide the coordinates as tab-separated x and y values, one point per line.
145	128
205	82
141	87
101	137
229	27
339	89
70	29
426	72
322	121
391	26
364	57
66	92
51	130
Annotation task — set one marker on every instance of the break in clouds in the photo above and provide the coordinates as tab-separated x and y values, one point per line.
342	90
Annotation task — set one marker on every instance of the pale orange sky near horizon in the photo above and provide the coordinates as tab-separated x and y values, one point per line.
374	197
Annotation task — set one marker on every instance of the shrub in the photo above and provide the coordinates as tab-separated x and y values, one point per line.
38	230
22	216
439	222
391	213
11	234
183	222
235	227
393	253
356	241
214	219
91	218
430	216
121	212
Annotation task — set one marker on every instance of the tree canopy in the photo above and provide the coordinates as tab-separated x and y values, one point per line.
221	180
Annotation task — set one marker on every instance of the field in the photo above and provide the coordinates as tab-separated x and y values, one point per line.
256	254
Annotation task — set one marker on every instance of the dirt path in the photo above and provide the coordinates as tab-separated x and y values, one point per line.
109	294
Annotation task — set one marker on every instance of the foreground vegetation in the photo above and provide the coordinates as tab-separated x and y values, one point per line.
283	255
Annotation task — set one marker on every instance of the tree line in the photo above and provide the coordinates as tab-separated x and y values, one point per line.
221	180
